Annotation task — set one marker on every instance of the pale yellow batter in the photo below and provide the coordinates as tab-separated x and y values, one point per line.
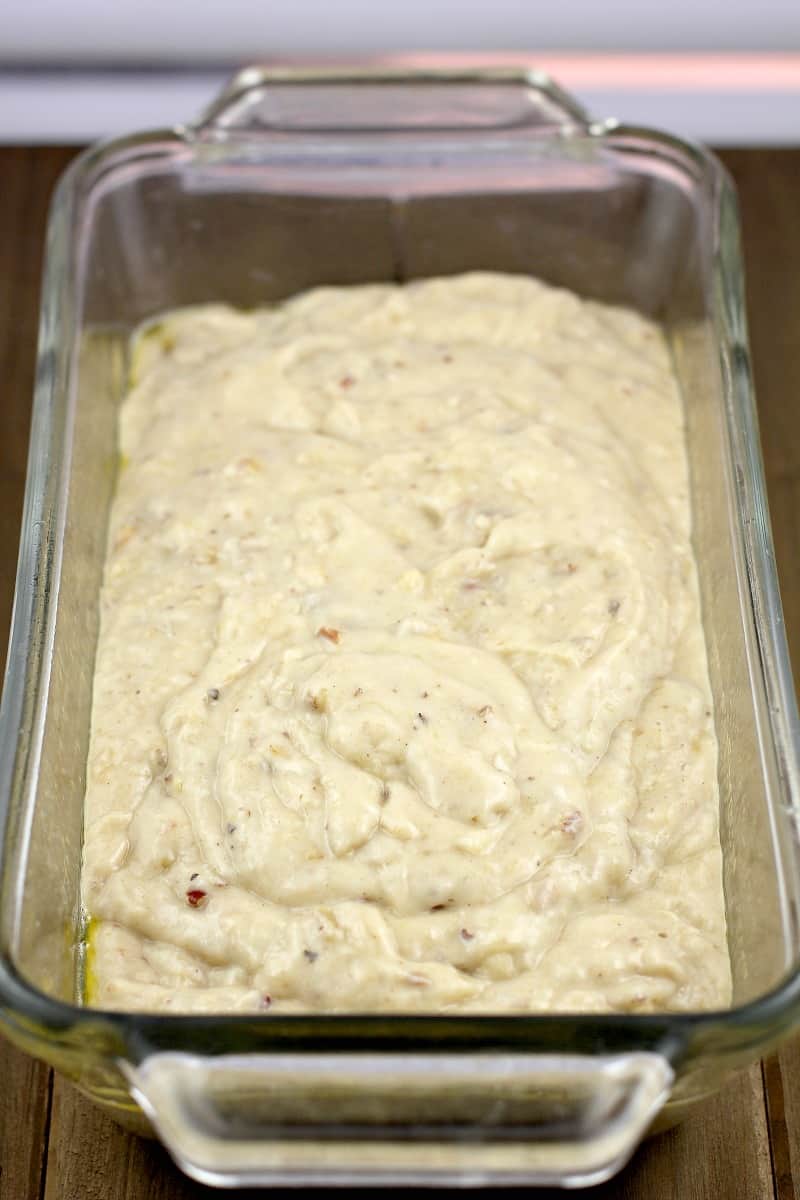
401	696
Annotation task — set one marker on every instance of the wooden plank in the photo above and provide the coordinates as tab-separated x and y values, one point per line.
26	180
720	1153
768	183
91	1158
782	1071
24	1119
783	1152
769	192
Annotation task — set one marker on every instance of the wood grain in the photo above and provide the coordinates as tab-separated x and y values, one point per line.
737	1148
24	1123
769	191
768	182
26	180
720	1154
91	1158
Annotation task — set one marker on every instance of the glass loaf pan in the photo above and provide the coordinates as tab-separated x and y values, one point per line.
293	179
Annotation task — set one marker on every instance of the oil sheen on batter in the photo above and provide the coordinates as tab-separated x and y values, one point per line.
401	695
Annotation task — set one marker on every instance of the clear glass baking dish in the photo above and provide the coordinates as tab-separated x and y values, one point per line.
293	179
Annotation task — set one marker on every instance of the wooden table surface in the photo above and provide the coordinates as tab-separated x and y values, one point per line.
745	1144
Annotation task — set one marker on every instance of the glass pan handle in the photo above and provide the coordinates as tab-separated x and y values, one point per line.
444	1119
334	100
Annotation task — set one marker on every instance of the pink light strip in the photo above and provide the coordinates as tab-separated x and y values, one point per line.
652	72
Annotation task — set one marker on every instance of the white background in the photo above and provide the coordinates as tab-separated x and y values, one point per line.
76	70
214	30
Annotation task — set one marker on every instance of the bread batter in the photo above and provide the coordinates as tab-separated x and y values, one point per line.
401	696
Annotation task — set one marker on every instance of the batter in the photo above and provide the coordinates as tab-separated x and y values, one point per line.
401	697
